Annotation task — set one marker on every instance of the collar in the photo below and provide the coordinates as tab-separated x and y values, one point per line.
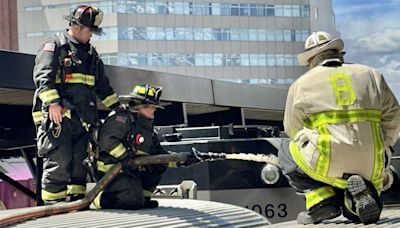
69	37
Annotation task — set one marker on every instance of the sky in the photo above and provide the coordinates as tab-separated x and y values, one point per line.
371	32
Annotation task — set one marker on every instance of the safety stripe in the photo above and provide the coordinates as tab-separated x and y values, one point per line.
48	196
37	117
147	193
342	88
376	179
76	189
324	148
49	95
104	167
316	196
97	200
337	182
78	78
172	164
110	100
343	116
67	114
118	151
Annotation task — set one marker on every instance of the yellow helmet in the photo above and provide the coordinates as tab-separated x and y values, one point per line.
144	94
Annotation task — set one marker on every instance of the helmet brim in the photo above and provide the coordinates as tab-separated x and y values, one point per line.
130	97
304	57
95	30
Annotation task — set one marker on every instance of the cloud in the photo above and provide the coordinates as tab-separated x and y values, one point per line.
371	33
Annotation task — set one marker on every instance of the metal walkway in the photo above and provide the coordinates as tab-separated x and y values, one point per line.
171	213
390	217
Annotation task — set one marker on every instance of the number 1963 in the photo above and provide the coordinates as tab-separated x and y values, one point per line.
270	210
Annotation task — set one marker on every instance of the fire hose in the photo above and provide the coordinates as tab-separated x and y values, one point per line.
43	211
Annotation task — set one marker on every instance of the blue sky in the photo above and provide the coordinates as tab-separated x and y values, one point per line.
371	32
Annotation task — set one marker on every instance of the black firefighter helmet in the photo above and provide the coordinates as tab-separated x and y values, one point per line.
87	16
143	95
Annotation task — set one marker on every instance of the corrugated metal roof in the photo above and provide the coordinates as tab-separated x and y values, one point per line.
390	217
171	213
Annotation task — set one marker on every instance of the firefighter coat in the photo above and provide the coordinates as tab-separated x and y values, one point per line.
71	74
341	121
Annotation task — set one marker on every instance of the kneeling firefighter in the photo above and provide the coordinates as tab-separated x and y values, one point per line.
124	136
341	119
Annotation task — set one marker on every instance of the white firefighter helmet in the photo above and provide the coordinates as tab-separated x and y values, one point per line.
316	43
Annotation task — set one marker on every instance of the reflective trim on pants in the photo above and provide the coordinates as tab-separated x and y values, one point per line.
97	200
76	189
49	196
320	194
337	182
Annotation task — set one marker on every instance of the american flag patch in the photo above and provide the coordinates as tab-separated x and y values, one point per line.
121	119
49	47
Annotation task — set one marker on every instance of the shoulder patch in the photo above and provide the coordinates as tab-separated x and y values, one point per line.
49	47
121	119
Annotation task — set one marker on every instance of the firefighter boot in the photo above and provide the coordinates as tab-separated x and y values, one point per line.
366	204
148	203
318	213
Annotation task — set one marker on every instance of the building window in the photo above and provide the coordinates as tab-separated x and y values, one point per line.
187	8
235	10
199	59
204	34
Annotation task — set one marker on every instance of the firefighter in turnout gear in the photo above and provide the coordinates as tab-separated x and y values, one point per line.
341	119
68	75
123	136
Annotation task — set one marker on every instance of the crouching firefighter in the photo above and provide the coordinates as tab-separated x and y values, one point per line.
123	136
68	75
341	119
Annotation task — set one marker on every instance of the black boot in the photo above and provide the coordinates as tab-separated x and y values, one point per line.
392	196
148	203
317	215
367	204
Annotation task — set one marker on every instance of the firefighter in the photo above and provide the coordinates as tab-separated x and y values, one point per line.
123	136
68	75
341	119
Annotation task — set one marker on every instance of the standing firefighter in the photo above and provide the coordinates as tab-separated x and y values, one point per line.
68	75
124	136
341	118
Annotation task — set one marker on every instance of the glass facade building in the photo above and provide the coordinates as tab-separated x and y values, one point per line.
252	41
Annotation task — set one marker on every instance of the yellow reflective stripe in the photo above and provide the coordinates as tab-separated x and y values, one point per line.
147	193
67	114
76	189
376	178
47	196
141	153
49	95
110	100
118	151
140	90
103	167
97	200
340	183
318	195
37	116
342	88
78	78
343	116
324	148
172	164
